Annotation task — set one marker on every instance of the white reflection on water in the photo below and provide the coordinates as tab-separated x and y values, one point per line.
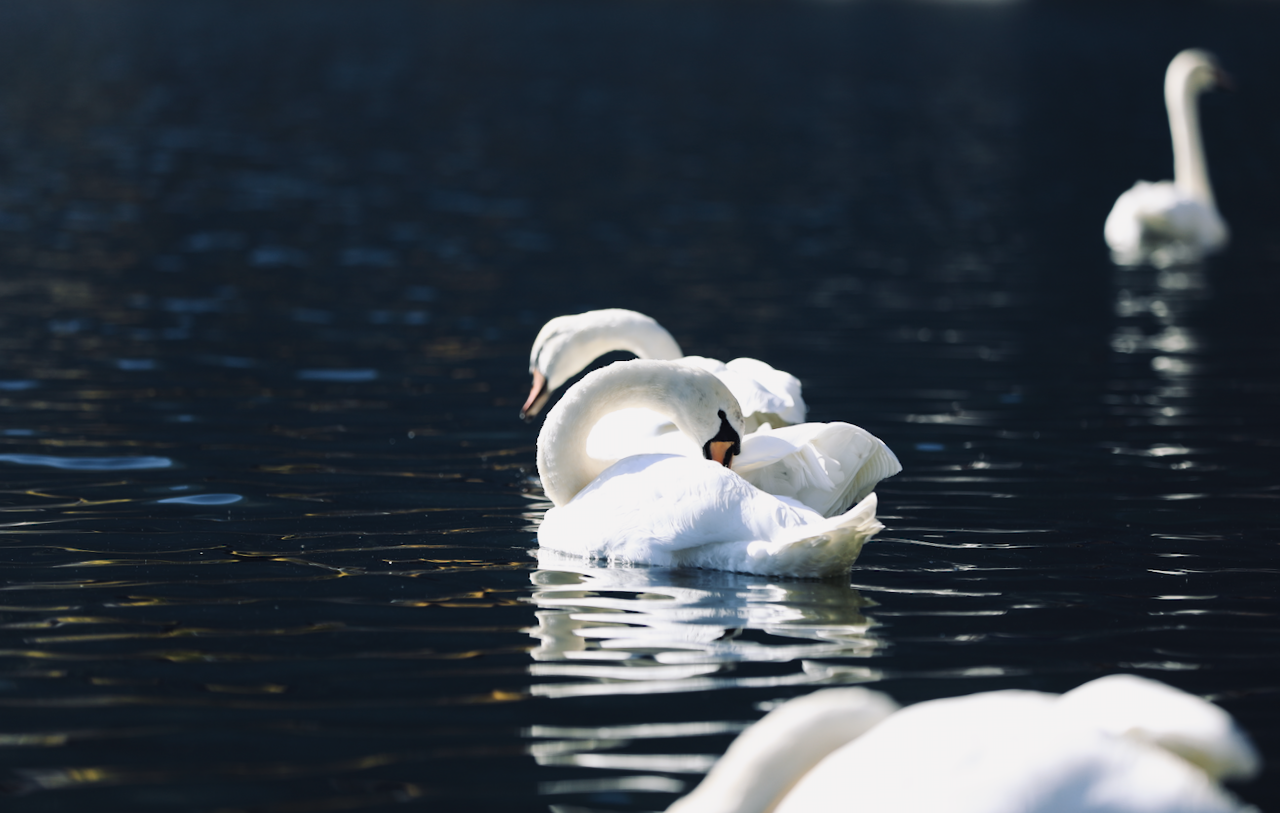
622	631
1155	309
642	630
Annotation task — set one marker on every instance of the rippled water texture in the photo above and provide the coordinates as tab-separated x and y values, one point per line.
270	273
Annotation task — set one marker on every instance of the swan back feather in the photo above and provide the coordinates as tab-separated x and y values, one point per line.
1120	744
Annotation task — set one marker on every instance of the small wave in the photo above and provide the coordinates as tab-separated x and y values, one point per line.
203	499
341	376
88	463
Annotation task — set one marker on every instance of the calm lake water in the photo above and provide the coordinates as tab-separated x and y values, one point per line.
270	273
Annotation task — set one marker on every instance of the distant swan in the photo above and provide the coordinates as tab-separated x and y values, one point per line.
1119	744
1172	222
567	344
673	510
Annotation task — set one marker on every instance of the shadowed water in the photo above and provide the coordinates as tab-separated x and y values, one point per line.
269	275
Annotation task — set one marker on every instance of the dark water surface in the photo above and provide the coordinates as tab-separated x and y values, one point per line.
269	275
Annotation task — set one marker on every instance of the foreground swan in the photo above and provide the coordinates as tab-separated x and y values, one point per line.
567	344
1119	744
1178	221
673	510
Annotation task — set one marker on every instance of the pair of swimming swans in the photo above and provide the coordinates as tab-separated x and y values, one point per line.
1119	744
826	466
1174	221
686	511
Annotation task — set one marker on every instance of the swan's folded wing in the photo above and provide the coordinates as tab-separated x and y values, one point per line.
826	466
772	396
783	396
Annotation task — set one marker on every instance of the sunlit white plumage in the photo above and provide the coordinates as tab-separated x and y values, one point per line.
1119	744
826	466
674	510
567	344
1173	221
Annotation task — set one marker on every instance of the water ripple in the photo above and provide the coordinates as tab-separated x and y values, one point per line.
88	463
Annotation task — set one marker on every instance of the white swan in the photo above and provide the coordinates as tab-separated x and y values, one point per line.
1119	744
826	466
672	510
567	344
1172	222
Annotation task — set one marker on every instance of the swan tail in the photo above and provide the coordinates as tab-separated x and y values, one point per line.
826	466
882	463
821	550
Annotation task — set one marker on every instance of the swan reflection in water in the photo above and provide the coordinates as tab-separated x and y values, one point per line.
632	630
644	630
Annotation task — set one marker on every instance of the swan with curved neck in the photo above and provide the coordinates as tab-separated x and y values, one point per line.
1118	744
567	344
826	466
1178	221
674	510
700	406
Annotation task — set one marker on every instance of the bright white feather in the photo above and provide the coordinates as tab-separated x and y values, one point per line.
1119	744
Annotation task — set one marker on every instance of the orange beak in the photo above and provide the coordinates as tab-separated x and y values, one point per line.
537	397
722	452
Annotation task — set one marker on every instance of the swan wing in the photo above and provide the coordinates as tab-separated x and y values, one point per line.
1152	712
764	393
826	466
669	510
781	390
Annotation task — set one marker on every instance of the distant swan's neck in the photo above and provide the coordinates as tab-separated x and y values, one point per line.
1190	173
563	463
608	333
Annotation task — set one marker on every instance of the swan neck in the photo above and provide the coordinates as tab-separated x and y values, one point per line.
564	465
1190	171
641	336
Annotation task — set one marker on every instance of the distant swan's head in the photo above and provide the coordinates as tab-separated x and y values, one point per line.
567	344
1196	70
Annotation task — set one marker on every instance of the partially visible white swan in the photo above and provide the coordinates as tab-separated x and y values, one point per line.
674	510
567	344
1172	222
1119	744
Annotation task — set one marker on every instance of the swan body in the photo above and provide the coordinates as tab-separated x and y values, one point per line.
567	344
1174	221
676	510
825	466
1119	744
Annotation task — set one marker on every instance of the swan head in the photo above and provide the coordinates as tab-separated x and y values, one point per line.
1196	70
567	344
696	401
